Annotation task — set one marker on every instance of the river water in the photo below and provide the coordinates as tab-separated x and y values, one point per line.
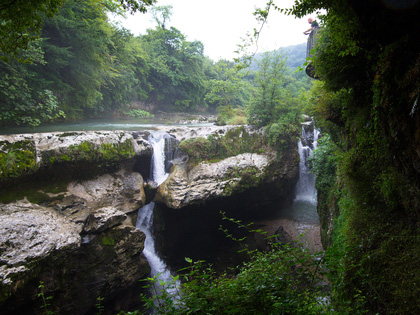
128	124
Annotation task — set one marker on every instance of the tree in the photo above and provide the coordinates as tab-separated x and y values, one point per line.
22	99
161	15
368	103
269	92
21	21
176	67
76	46
228	88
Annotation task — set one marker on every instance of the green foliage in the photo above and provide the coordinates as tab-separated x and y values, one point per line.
269	80
255	289
21	21
283	280
215	147
45	300
230	116
107	241
176	66
273	105
228	88
106	154
138	113
323	163
22	101
17	159
164	297
99	307
370	77
283	133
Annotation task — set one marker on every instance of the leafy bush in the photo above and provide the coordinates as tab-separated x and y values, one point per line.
323	163
230	116
283	280
283	133
138	113
234	142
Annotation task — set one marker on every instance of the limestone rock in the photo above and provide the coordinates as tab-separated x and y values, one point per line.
103	219
61	154
207	181
39	244
182	133
123	190
29	231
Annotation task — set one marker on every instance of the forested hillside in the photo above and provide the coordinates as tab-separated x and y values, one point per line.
84	66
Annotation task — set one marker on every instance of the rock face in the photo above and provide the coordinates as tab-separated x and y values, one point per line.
79	240
226	161
66	154
39	244
207	181
79	250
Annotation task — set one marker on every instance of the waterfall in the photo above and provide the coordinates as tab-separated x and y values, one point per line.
305	187
145	215
158	166
304	206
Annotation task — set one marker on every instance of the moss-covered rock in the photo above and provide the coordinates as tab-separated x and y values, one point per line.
17	159
218	146
60	156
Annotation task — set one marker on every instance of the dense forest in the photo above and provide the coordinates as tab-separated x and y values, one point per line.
76	64
82	65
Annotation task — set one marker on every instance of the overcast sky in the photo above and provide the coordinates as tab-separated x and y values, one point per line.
220	24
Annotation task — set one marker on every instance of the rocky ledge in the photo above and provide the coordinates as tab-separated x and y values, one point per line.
82	245
225	161
206	181
69	200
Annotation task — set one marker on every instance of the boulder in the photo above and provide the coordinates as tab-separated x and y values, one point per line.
104	219
39	244
206	181
123	190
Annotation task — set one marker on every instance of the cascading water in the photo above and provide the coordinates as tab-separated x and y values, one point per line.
158	166
304	205
145	215
305	187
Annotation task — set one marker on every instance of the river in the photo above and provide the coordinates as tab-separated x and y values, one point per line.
128	124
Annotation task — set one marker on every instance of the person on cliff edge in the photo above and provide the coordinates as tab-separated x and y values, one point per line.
314	24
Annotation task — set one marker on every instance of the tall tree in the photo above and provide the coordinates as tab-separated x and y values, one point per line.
269	89
228	88
21	21
22	99
77	54
176	67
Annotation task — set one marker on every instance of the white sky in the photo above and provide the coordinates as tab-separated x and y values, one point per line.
220	24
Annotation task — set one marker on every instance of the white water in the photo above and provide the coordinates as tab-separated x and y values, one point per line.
305	187
157	140
158	267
